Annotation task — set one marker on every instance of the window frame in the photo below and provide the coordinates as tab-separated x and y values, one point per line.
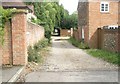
101	7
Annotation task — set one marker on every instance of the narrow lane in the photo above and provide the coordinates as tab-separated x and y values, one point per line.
66	63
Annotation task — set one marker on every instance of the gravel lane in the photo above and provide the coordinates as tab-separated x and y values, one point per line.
66	63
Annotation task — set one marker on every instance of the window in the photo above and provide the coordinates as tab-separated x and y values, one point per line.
104	7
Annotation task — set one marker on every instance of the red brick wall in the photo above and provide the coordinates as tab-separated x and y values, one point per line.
64	32
17	39
7	49
34	33
119	25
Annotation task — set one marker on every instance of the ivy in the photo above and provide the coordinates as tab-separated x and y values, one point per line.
5	15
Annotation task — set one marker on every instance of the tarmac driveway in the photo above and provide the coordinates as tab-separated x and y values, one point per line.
66	63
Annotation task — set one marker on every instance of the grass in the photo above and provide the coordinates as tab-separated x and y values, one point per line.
108	56
78	44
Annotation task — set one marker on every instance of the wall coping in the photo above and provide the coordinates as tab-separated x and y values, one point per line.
20	12
34	24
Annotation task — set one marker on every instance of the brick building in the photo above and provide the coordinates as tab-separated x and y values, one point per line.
96	14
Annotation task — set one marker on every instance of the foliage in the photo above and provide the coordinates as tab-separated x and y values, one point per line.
78	43
69	21
33	55
53	15
105	55
47	13
34	52
5	15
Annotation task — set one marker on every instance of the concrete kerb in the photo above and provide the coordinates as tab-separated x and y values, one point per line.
17	75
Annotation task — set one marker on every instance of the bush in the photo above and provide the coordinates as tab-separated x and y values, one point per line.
48	35
34	52
78	44
33	55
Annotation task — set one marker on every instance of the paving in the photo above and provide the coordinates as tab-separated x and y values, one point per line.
10	74
66	63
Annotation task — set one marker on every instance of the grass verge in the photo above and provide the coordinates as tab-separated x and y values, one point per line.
78	44
108	56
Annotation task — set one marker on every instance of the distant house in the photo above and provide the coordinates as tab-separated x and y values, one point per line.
93	15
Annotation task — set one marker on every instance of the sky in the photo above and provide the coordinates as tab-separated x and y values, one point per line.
70	5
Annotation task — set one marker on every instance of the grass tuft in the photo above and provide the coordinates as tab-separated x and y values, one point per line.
34	52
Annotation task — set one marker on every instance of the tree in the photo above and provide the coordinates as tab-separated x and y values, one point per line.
53	15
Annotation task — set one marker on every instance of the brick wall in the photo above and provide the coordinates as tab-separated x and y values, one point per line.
82	13
65	32
7	49
108	39
76	34
18	35
86	34
34	33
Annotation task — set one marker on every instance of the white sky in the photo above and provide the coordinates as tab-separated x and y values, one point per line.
70	5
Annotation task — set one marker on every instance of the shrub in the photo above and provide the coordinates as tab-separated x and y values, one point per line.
48	35
34	52
33	55
78	44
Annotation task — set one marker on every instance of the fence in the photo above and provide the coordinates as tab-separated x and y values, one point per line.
19	34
